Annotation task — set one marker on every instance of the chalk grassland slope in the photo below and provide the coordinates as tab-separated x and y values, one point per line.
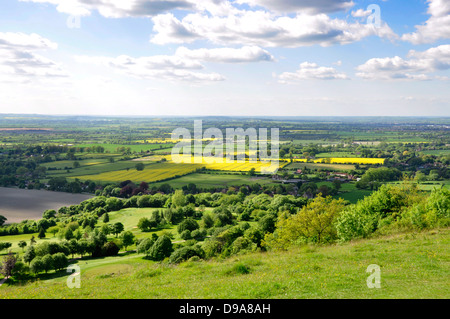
413	265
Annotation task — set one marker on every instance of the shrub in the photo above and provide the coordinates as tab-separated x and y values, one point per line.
185	235
188	224
242	244
110	249
145	244
185	253
161	249
353	224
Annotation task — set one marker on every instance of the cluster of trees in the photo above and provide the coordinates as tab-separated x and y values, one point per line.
373	178
224	229
51	255
327	220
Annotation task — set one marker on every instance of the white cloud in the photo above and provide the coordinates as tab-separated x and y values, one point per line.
172	68
118	8
19	60
184	65
147	8
311	71
417	67
307	6
360	13
263	29
436	27
245	54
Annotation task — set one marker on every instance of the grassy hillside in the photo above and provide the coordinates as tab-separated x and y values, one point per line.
413	265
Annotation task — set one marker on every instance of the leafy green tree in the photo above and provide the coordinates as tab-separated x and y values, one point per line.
73	246
68	234
313	223
144	224
110	248
2	220
185	253
5	245
41	233
140	166
53	230
267	223
188	224
8	263
117	228
22	244
178	199
37	265
29	255
105	229
49	213
161	249
59	261
106	218
47	263
145	244
127	239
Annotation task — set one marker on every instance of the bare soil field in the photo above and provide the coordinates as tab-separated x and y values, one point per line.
19	204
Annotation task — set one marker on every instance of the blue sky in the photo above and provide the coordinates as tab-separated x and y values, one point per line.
223	57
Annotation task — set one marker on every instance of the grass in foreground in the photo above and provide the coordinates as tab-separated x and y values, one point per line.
413	265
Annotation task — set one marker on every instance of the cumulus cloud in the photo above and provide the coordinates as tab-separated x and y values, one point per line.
245	54
184	65
308	6
138	8
360	13
263	29
312	71
118	8
418	66
18	56
436	27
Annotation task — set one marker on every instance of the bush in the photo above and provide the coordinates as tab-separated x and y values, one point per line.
37	265
198	234
185	235
185	253
353	224
145	244
161	249
59	261
110	249
188	224
242	244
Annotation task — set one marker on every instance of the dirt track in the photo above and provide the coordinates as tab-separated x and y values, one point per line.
19	204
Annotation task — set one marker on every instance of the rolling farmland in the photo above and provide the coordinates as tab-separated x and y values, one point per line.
152	173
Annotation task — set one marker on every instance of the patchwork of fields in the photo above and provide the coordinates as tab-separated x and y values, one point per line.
152	173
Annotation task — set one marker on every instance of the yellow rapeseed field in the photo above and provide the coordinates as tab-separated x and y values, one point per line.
340	160
152	173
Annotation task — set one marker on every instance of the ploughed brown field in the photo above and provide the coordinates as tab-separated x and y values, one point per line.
19	204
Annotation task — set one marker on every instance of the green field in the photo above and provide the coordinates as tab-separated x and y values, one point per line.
215	180
413	265
112	148
318	166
